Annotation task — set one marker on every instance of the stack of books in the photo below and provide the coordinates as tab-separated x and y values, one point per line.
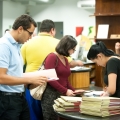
67	104
93	93
100	106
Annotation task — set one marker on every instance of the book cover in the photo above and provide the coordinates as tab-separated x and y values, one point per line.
101	99
60	109
57	103
101	113
104	103
71	99
99	109
66	104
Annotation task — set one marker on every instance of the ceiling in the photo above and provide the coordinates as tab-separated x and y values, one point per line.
32	2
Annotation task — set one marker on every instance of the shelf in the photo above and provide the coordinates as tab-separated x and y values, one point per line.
105	14
107	39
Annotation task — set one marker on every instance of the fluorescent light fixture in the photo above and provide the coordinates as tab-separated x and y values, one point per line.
86	3
44	0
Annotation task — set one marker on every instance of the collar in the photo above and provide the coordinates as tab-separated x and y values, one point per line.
9	37
44	34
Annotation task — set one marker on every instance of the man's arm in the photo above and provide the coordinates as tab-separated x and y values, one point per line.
11	80
75	63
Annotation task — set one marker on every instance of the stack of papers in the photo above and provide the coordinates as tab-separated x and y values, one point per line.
49	73
93	93
77	68
67	104
100	106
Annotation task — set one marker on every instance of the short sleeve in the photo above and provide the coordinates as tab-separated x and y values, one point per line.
4	56
112	66
69	59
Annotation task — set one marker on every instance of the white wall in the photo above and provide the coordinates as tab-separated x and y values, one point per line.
66	11
62	10
11	11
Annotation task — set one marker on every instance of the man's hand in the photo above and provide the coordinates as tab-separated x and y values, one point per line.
36	81
79	63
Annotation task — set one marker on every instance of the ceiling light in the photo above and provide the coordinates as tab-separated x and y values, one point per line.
44	0
86	3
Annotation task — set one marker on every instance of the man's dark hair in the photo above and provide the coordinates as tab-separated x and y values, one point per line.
46	25
25	21
6	30
67	43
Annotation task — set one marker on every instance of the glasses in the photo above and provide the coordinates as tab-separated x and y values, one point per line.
30	33
74	49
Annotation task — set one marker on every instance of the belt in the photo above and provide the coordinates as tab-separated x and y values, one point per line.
10	93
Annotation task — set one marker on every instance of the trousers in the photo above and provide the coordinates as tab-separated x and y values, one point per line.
13	106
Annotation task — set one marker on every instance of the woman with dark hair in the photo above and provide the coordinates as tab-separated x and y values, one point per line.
54	89
104	57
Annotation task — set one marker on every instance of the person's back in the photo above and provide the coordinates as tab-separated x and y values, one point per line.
36	49
34	52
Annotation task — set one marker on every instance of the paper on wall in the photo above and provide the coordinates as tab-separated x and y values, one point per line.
102	31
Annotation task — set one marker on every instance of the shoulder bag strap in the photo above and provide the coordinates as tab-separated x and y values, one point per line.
45	59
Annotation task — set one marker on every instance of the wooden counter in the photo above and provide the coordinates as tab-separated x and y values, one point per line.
80	78
93	69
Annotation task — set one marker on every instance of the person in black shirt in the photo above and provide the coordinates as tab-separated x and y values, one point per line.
104	57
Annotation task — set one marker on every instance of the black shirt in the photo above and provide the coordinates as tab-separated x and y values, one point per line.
113	66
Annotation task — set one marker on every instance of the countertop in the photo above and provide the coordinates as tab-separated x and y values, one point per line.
79	116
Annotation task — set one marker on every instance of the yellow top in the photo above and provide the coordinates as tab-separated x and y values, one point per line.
36	49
